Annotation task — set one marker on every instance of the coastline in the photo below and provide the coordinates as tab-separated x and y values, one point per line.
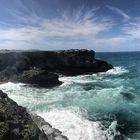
17	123
41	69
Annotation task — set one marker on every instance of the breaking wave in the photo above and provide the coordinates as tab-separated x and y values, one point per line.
97	94
117	71
75	127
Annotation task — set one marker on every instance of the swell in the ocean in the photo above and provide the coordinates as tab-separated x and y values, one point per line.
83	107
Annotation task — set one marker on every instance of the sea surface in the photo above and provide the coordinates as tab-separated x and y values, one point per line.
102	106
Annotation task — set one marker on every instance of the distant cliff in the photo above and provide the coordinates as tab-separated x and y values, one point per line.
43	67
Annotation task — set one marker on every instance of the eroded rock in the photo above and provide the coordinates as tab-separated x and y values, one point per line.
16	123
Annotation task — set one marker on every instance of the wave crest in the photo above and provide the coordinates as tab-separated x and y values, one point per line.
76	127
117	71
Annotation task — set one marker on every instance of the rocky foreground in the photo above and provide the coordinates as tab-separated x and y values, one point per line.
43	67
17	124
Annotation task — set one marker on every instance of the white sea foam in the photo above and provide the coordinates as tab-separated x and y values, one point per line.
117	71
87	78
10	87
10	84
76	127
70	121
68	80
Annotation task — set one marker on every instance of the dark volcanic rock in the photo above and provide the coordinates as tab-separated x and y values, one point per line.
13	59
39	77
16	123
69	62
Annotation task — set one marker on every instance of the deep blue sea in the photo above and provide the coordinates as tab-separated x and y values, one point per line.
102	106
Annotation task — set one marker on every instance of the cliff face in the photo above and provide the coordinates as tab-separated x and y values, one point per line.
70	62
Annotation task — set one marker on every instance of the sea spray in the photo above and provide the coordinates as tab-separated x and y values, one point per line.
76	127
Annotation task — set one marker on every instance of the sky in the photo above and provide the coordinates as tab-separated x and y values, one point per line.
101	25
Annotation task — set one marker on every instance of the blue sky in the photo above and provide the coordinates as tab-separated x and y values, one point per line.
101	25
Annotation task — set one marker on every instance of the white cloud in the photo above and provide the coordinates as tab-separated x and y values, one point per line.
120	12
70	28
133	29
77	29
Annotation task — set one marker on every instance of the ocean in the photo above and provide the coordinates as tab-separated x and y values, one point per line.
102	106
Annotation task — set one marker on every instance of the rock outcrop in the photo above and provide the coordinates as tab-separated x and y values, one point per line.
39	77
70	62
17	124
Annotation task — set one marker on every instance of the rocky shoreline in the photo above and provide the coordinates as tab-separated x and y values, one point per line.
43	68
38	68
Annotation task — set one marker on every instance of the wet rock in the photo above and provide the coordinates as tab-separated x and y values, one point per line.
52	133
16	123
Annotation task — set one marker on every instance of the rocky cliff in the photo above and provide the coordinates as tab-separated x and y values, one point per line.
17	66
17	124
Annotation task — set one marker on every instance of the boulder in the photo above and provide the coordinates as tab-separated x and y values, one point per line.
39	77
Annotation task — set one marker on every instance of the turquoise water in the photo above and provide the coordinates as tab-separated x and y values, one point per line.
102	106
